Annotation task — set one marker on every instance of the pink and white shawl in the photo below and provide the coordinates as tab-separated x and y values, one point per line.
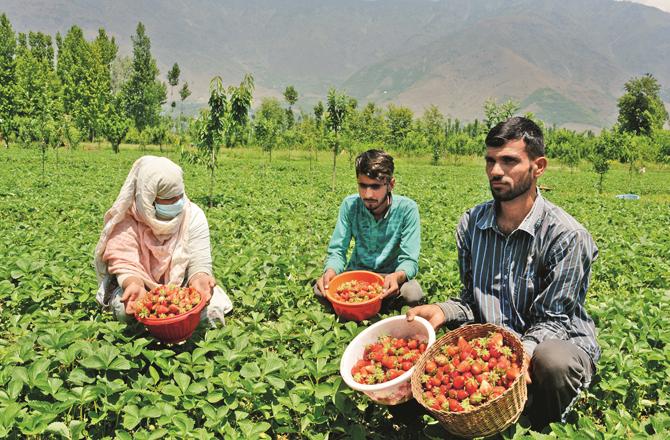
133	241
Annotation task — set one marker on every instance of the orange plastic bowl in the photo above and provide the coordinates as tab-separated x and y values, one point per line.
176	329
355	311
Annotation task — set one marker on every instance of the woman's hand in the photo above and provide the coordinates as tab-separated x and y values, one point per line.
132	291
203	283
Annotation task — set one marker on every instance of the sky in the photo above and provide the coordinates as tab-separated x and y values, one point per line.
663	5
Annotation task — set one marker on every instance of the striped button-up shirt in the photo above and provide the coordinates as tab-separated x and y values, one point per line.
532	281
387	245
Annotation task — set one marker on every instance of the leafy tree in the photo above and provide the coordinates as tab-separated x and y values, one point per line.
495	113
605	149
291	97
38	104
318	113
641	109
433	127
212	135
339	105
120	71
115	125
661	139
71	134
564	145
184	93
269	124
7	77
399	121
240	103
84	70
173	80
143	94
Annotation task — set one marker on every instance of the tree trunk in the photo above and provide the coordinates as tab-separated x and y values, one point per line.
44	158
211	178
334	164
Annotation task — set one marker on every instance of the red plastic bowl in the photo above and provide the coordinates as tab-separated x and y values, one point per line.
355	311
176	329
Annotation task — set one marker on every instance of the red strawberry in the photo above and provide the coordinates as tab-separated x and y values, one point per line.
463	366
462	395
512	372
389	361
496	339
455	406
471	386
431	366
485	388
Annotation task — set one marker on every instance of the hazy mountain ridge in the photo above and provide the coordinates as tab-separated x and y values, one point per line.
566	61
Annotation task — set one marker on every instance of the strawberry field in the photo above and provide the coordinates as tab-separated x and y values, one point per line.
70	371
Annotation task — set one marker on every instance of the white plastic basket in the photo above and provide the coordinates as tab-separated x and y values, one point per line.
398	390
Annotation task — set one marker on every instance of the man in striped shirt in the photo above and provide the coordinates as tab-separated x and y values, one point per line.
525	264
386	232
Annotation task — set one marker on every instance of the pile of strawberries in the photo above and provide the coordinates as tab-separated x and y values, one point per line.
387	359
357	291
167	302
469	373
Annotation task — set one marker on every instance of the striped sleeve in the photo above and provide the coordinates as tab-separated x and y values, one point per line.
459	311
569	267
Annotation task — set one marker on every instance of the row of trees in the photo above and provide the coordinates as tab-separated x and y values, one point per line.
81	90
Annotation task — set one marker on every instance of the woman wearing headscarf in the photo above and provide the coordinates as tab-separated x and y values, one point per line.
153	235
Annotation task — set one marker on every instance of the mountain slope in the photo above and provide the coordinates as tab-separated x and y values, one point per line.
565	60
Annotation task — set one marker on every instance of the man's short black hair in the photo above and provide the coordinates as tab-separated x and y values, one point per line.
514	129
376	164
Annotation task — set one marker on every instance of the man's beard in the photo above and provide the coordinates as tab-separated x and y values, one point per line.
377	203
505	195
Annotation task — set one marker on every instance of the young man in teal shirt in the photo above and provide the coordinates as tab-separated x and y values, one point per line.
386	231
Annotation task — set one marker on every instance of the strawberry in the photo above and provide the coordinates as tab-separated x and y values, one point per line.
389	361
441	360
471	386
476	398
455	406
458	382
496	339
512	372
485	388
462	395
431	366
463	366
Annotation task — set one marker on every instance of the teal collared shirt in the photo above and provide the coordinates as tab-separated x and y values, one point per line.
391	244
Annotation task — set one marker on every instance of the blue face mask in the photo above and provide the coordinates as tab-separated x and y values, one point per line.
170	211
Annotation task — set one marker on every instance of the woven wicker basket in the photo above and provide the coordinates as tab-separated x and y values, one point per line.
486	419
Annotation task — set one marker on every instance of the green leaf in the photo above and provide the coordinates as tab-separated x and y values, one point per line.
59	428
250	371
184	423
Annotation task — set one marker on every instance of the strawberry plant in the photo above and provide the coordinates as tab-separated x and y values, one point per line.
67	370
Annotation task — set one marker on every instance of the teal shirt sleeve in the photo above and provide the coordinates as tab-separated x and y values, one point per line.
410	243
339	242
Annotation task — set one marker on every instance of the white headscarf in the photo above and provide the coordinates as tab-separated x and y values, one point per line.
150	177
